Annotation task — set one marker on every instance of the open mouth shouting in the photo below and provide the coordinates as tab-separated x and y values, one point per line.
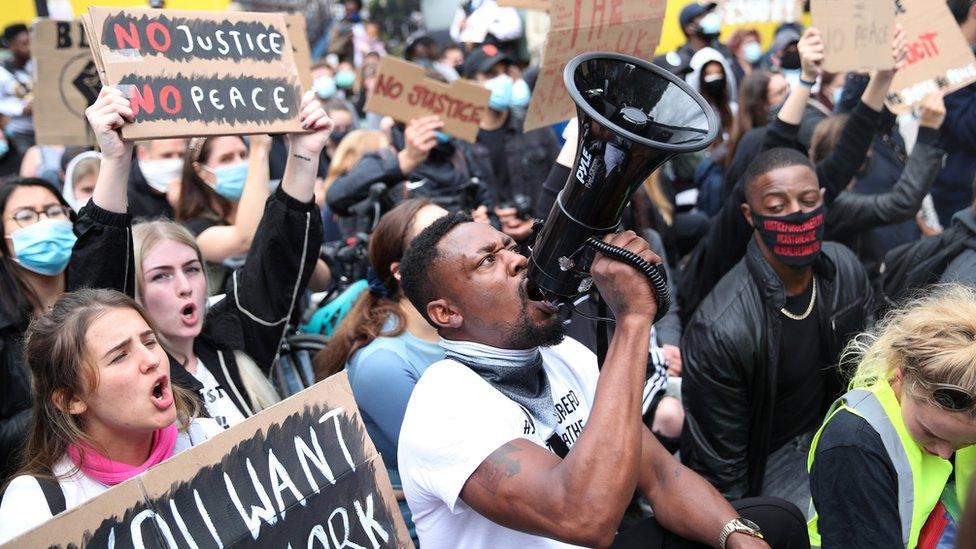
188	314
531	292
161	395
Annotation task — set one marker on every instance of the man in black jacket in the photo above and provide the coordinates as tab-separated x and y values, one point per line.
760	352
725	242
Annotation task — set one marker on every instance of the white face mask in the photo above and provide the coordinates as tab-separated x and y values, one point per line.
160	174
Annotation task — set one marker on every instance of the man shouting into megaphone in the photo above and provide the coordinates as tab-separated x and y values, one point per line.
516	439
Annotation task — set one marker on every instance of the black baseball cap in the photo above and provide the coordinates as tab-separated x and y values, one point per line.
691	11
482	59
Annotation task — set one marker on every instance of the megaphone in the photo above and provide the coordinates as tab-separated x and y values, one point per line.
633	116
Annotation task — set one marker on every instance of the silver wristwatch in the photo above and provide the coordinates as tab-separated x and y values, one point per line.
740	525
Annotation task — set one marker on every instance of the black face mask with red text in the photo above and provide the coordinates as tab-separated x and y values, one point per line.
794	239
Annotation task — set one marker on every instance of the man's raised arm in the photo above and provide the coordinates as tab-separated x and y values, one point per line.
581	499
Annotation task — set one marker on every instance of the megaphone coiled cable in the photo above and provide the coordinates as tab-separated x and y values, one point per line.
652	272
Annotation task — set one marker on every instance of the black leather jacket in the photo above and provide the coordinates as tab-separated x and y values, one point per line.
731	354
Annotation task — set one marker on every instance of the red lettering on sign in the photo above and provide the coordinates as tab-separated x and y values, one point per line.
142	100
923	48
577	10
388	86
154	31
125	37
170	99
616	18
641	37
476	114
599	11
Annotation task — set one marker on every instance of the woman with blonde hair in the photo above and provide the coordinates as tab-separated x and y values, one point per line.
105	408
892	461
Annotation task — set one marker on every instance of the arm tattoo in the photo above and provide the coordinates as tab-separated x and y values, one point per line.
498	467
305	158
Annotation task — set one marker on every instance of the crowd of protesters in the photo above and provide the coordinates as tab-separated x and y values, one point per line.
812	385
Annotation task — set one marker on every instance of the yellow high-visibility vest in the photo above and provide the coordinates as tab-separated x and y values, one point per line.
921	476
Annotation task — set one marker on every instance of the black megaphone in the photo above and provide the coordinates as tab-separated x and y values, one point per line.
633	116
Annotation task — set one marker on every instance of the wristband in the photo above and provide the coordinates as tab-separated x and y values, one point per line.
808	83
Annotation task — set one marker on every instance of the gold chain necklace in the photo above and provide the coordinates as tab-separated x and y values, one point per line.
804	314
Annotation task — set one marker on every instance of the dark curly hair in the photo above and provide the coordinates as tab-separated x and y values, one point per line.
418	269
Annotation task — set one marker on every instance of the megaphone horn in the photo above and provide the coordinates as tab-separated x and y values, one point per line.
633	116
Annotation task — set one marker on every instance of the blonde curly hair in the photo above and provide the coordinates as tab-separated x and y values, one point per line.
931	339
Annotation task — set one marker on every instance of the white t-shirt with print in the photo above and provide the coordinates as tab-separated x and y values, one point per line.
455	420
215	399
24	506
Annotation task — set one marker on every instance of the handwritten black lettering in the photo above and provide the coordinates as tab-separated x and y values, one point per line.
226	100
185	39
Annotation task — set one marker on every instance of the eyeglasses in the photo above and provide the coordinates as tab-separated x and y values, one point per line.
28	216
951	397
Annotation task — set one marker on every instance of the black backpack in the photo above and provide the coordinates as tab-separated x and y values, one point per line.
915	265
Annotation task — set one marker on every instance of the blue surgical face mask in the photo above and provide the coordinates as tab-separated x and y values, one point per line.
325	87
711	24
501	92
44	247
345	79
230	180
521	94
4	147
752	51
442	138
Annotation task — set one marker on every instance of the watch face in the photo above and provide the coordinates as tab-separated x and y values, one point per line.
749	527
749	524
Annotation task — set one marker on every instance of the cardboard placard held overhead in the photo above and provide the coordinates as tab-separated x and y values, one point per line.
298	33
193	73
541	5
302	473
631	27
751	12
939	57
857	34
403	92
66	83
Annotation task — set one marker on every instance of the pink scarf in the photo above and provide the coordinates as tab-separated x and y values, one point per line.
111	472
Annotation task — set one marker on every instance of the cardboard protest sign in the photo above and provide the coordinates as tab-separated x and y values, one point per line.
66	83
403	92
302	473
631	27
750	12
857	34
191	73
939	57
298	33
541	5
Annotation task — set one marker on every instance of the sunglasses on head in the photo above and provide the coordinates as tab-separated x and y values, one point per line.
950	397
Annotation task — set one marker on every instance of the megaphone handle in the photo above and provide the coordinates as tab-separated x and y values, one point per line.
653	272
